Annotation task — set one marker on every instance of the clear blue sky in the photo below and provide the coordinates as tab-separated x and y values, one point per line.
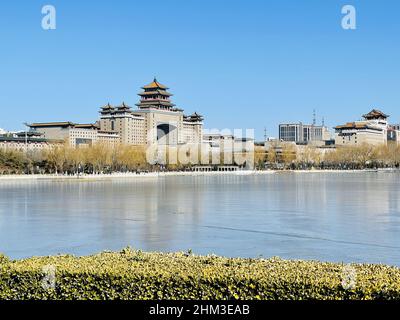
240	63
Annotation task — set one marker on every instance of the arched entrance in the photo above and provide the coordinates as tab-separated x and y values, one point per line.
167	133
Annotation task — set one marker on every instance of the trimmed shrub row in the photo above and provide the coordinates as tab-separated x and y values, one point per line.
137	275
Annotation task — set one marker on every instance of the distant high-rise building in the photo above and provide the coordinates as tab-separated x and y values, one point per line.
303	133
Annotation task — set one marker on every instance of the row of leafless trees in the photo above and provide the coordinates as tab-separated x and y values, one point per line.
101	158
12	162
354	157
364	156
64	159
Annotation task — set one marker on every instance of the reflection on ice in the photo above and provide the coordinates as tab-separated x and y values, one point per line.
325	216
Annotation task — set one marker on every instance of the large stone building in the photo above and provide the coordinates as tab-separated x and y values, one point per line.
77	135
157	120
373	129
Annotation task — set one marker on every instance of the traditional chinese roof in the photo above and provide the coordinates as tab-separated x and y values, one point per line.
195	117
155	92
108	109
155	84
51	124
86	125
65	124
108	106
123	107
154	103
28	134
155	95
375	114
357	126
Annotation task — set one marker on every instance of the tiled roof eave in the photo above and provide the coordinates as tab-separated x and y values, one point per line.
157	92
358	128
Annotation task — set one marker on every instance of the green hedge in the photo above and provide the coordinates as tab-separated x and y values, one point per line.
137	275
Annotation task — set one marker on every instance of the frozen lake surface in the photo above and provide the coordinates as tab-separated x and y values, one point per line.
349	217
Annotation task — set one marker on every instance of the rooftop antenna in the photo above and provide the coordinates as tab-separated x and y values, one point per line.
314	118
323	121
265	134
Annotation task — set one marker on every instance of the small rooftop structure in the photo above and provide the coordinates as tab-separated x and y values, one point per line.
195	117
375	114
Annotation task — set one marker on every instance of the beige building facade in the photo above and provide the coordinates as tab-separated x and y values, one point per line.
372	130
20	145
156	121
77	135
26	142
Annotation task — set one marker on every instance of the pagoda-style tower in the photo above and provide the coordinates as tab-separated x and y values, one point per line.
156	120
107	109
375	114
195	117
123	109
156	96
113	111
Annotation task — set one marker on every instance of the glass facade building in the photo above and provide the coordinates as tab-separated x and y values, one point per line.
301	133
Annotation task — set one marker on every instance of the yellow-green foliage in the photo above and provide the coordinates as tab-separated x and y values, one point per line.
137	275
